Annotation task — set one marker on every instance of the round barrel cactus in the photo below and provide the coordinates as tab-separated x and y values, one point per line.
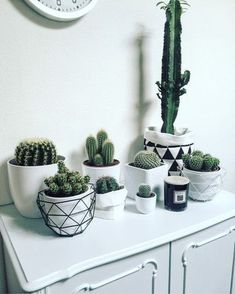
146	160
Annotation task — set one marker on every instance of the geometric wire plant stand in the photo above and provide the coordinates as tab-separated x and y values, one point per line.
209	190
67	217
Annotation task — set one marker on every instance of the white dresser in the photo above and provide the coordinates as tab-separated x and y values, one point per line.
187	252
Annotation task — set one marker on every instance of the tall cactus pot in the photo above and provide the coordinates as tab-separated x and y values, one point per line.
168	147
25	182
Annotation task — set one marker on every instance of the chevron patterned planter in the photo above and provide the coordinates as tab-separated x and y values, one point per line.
169	148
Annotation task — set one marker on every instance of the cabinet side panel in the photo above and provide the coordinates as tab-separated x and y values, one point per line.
3	288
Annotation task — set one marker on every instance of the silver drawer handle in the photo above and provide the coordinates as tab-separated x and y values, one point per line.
91	287
200	244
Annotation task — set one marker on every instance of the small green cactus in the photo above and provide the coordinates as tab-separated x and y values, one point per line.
107	184
199	161
196	162
146	160
100	150
91	147
144	190
66	183
108	152
101	137
36	151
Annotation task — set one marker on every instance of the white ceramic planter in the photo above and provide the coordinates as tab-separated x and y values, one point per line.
170	148
25	182
67	212
110	205
154	177
96	172
145	204
204	186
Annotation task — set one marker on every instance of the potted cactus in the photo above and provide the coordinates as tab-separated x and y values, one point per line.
110	198
145	199
101	162
35	159
146	168
168	142
204	173
67	205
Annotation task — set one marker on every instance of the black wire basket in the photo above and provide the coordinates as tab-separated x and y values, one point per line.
67	216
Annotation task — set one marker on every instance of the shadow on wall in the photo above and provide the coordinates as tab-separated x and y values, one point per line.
36	18
142	104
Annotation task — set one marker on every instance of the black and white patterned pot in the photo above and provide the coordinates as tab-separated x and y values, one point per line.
169	148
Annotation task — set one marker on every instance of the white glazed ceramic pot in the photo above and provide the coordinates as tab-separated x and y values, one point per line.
97	172
25	182
168	147
145	205
204	186
134	176
64	215
110	205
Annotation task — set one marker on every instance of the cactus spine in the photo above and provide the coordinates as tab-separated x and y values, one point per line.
172	82
146	160
36	151
100	150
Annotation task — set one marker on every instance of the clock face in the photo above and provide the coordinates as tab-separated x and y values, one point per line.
62	10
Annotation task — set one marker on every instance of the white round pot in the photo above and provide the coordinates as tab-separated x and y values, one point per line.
170	148
65	214
204	186
96	172
25	182
145	204
110	205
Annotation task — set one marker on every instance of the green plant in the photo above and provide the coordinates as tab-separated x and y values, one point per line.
172	82
35	151
107	184
146	160
66	183
144	190
100	150
199	161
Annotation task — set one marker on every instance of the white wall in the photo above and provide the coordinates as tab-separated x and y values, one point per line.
65	81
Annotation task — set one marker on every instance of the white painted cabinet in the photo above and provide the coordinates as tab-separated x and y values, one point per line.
138	254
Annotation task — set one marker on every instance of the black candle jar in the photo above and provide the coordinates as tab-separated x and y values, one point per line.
176	193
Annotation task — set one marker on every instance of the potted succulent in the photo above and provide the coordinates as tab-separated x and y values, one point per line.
168	142
145	199
101	162
68	203
110	198
35	159
204	173
146	168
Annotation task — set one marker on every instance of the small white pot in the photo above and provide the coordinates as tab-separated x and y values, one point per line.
204	186
168	147
134	176
145	204
97	172
25	182
110	205
67	212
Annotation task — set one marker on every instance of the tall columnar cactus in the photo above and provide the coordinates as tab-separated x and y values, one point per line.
146	160
108	152
101	137
91	147
36	151
66	182
100	150
172	82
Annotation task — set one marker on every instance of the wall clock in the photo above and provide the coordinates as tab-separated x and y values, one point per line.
62	10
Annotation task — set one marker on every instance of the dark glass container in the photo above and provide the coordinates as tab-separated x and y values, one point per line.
176	193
